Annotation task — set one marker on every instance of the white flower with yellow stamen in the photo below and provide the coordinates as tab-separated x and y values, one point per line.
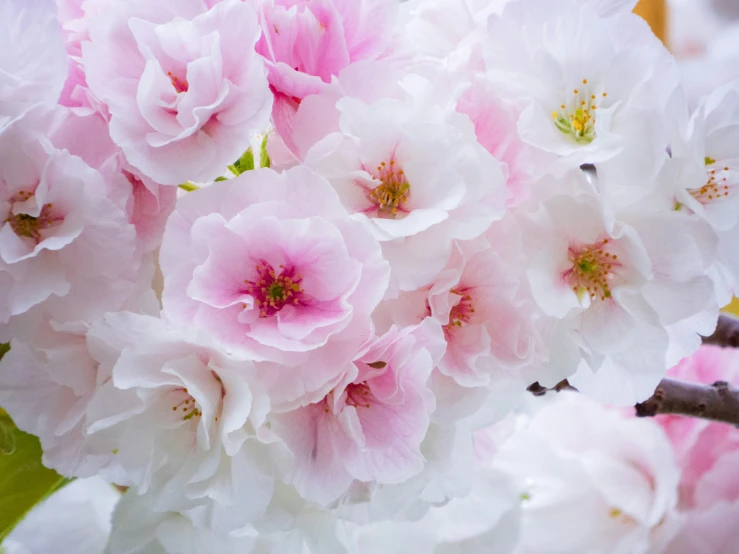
180	418
409	166
591	81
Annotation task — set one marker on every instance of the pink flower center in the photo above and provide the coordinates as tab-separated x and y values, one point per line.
390	196
461	313
357	395
271	291
717	186
592	270
28	226
179	85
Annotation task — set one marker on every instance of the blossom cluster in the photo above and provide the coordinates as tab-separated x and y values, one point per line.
284	269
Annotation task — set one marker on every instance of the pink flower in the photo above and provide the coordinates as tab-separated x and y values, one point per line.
184	88
273	266
75	16
307	42
710	531
146	203
487	315
487	325
33	63
66	248
700	444
370	426
495	127
708	455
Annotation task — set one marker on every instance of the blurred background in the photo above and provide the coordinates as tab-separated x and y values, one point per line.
704	37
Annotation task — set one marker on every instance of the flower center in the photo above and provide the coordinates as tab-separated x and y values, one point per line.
617	513
28	226
357	395
461	313
186	405
717	186
272	292
390	196
592	270
179	85
578	118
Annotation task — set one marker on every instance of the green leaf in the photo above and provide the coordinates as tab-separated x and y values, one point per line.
189	186
264	160
7	436
24	481
244	163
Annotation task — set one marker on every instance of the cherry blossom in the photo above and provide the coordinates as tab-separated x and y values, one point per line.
370	426
485	521
275	269
286	273
495	127
75	519
610	280
702	174
184	90
179	418
577	461
707	454
146	203
66	249
138	527
46	387
383	162
591	87
305	43
33	63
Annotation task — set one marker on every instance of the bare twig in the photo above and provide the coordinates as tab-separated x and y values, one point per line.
717	402
537	390
727	332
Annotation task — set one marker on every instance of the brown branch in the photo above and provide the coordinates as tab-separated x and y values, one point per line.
537	390
727	332
717	402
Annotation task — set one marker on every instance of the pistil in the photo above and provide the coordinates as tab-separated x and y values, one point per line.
593	270
394	191
271	291
578	118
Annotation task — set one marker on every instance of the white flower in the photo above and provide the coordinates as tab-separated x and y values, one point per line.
140	529
593	87
46	386
33	60
614	283
702	176
74	520
410	167
591	481
180	418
